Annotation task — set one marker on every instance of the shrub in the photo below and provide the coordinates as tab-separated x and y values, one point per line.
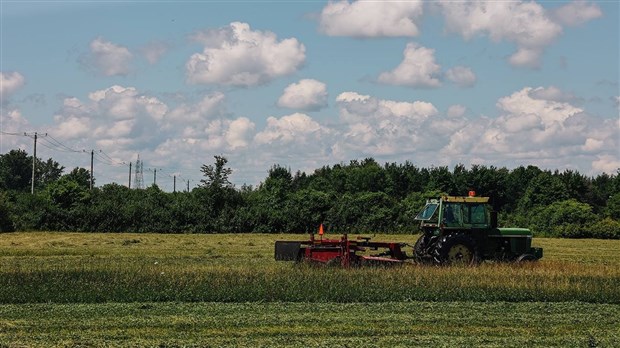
606	229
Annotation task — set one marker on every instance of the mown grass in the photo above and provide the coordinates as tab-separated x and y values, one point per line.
134	290
94	268
427	324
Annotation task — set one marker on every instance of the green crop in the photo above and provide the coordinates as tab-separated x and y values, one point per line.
91	268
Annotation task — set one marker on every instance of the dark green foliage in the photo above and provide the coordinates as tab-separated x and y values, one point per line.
217	174
6	222
15	170
81	176
543	190
360	196
613	207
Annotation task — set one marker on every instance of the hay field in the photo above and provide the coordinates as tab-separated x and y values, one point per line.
214	290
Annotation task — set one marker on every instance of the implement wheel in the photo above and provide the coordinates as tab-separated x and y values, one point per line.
456	249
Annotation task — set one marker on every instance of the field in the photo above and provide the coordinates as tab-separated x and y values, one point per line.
69	289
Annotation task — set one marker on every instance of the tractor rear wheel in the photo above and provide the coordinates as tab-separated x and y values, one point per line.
456	249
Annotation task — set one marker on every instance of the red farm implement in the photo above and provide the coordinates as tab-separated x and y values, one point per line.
344	251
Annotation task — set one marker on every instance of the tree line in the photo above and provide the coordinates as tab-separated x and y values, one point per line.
358	197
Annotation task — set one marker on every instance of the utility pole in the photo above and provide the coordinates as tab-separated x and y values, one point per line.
155	176
34	160
92	155
187	185
174	187
129	175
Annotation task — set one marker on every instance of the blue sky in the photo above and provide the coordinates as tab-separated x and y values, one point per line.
306	84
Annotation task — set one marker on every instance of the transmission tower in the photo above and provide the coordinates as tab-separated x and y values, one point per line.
139	180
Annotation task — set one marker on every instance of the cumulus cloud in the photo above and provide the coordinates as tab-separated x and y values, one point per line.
12	121
461	76
549	110
538	126
9	83
307	94
418	69
526	24
239	56
552	93
576	13
108	58
118	117
606	163
380	127
125	121
297	127
153	51
208	106
366	19
455	111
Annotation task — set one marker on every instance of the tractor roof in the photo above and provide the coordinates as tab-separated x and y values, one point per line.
454	199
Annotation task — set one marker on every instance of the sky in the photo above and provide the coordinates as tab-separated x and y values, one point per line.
304	84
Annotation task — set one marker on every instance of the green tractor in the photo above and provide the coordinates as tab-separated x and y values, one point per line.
464	230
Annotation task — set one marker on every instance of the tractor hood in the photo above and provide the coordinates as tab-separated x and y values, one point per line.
513	231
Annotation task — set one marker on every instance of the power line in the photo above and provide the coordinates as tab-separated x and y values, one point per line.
60	144
102	159
54	146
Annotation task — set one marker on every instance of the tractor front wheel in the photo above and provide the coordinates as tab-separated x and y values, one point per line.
526	258
456	249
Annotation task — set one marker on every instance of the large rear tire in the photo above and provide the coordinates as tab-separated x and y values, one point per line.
456	249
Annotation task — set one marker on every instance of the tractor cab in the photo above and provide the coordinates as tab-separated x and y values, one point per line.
449	212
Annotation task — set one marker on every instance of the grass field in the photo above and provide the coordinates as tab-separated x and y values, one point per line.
68	289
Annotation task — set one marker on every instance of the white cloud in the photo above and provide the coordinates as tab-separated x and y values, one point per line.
552	93
108	58
606	163
538	126
238	133
72	127
549	111
9	83
297	127
418	69
461	76
355	107
576	13
211	105
526	24
153	51
236	55
12	121
364	19
379	127
456	111
120	118
307	94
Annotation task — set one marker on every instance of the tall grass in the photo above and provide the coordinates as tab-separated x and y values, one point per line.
73	268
